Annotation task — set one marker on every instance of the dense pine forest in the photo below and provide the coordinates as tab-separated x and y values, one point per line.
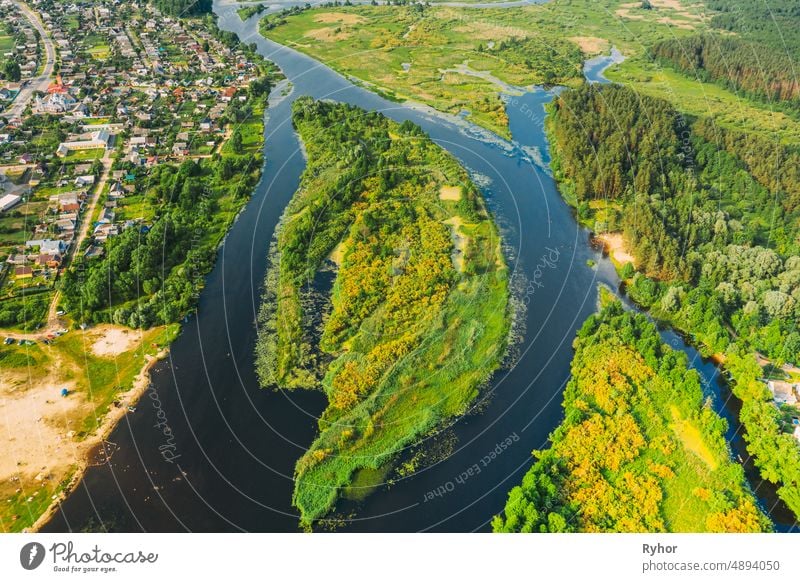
772	24
183	8
419	281
639	451
750	68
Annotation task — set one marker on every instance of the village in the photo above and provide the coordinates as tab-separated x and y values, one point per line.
130	90
123	131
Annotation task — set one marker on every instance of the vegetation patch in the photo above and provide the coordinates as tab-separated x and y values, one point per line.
411	52
616	463
407	337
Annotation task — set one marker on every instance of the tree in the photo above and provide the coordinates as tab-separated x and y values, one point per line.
236	142
12	71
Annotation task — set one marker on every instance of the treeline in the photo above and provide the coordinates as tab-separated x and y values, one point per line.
183	8
773	451
151	274
715	244
774	165
741	65
639	449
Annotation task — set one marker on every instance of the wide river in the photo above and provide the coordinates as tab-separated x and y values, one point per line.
208	450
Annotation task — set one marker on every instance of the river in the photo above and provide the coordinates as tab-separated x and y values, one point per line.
228	463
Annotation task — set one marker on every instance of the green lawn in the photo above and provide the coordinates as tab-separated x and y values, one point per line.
85	155
133	207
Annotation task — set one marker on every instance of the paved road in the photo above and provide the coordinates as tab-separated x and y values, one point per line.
41	82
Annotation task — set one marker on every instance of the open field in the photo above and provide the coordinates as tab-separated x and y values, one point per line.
47	435
451	58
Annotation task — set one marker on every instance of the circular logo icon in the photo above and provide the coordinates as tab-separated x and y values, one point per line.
31	555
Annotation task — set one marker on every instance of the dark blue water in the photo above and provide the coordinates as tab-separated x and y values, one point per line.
237	444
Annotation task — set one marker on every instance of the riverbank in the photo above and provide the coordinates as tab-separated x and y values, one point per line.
98	441
239	444
65	397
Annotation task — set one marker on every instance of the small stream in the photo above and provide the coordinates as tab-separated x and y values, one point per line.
234	446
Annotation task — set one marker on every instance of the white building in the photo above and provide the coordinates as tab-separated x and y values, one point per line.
9	201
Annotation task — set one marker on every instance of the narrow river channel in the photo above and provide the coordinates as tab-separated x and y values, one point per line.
229	464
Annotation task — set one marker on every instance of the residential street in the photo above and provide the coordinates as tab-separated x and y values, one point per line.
40	82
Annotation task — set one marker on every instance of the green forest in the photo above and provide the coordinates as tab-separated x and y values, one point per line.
716	246
752	69
183	8
418	314
713	232
640	449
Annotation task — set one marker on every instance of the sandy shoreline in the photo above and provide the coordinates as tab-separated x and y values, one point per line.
140	385
614	245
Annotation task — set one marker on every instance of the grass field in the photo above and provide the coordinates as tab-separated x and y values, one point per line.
85	155
441	56
448	58
6	45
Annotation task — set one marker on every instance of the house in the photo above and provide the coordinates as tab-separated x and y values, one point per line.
18	259
228	93
180	149
49	260
105	230
94	251
23	272
9	201
86	180
55	103
47	246
107	216
65	225
68	202
25	159
782	392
